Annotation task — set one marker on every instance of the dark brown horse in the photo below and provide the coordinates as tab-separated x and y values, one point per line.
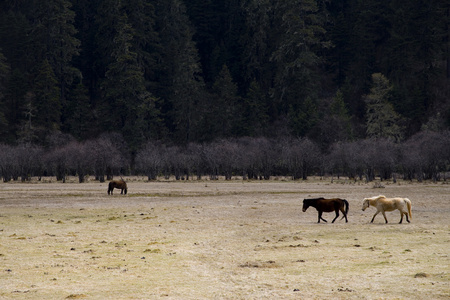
118	184
327	205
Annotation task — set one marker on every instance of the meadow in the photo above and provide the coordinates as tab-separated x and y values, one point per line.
220	240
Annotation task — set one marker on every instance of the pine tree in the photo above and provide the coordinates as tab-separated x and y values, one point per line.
226	108
255	111
124	89
260	40
382	120
146	40
4	76
46	100
15	103
296	56
304	118
79	115
182	86
55	33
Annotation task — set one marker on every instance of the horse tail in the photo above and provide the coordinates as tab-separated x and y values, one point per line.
110	187
408	203
346	206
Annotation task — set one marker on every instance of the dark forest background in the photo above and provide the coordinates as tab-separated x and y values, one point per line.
139	79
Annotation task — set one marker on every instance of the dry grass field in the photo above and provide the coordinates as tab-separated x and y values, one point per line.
219	240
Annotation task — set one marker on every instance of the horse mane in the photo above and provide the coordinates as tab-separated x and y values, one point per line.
313	199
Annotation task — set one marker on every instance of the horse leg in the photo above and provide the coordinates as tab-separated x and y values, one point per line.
375	216
401	217
337	215
320	217
406	215
384	215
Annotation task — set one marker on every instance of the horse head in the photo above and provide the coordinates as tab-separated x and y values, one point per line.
366	203
305	205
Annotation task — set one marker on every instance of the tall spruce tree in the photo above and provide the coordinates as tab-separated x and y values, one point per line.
4	76
255	111
182	86
260	39
382	120
46	101
226	107
146	41
297	54
53	23
125	91
80	118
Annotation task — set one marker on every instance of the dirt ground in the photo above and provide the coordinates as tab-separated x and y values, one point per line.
219	240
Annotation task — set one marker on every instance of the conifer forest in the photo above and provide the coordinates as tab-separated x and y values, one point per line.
254	88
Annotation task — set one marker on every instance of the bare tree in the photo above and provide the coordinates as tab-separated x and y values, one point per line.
80	161
29	160
106	157
198	159
263	154
301	156
149	160
58	162
425	155
8	165
338	160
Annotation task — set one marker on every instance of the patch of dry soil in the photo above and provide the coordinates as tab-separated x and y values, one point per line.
219	240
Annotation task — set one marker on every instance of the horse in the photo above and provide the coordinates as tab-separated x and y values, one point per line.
327	205
389	204
118	184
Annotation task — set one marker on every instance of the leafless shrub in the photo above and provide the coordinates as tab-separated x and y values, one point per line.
149	160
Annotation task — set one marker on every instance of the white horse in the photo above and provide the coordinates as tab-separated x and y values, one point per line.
389	204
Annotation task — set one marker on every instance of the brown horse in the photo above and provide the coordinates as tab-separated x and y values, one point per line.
327	205
118	184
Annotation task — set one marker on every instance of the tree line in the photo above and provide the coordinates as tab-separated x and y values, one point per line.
195	72
424	156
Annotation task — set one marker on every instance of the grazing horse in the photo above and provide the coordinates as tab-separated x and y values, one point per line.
389	204
327	205
118	184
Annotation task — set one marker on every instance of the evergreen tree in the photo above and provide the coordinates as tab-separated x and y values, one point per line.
255	111
182	86
90	60
15	103
334	122
206	17
46	100
302	119
225	109
79	115
382	120
55	36
416	35
146	40
301	38
260	40
124	89
4	75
